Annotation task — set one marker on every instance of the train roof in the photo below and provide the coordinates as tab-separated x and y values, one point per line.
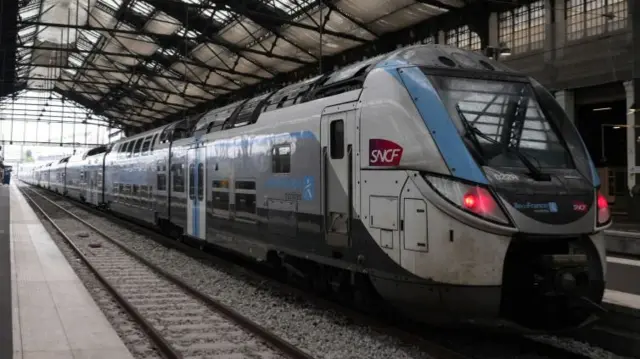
247	111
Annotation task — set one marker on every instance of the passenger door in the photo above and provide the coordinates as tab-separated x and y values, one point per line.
336	137
196	201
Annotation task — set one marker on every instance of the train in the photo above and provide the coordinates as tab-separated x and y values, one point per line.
435	178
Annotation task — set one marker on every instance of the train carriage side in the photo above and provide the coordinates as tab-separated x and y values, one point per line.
130	171
161	152
58	173
46	172
75	176
54	176
263	182
92	174
26	172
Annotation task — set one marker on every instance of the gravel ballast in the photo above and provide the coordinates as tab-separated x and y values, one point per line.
127	329
322	333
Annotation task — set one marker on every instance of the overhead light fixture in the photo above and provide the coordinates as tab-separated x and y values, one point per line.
601	109
632	109
616	127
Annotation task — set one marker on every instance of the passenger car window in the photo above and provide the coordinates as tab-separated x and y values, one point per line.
337	139
130	149
178	177
136	149
245	199
192	181
153	142
281	158
146	145
200	182
162	182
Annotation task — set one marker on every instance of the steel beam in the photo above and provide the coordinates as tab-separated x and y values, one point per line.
215	41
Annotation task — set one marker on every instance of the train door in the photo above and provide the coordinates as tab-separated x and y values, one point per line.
196	201
336	136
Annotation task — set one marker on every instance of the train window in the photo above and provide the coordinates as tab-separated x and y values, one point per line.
281	159
178	177
136	149
153	142
220	200
192	181
248	185
162	182
337	139
129	149
146	145
200	182
179	133
245	204
220	184
134	193
245	199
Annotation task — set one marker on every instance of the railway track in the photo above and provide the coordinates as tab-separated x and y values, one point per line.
181	321
519	346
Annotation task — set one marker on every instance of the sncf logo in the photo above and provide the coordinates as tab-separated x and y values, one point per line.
384	152
580	206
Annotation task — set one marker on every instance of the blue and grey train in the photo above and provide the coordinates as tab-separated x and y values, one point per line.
435	178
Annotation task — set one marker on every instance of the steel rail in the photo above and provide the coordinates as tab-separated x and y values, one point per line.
269	337
166	350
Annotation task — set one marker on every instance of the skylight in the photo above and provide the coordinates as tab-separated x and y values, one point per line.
142	8
113	4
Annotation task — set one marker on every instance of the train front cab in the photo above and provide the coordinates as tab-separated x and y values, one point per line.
473	231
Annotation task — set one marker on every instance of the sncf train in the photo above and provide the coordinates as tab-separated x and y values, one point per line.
433	177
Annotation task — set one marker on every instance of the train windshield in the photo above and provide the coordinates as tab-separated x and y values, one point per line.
503	123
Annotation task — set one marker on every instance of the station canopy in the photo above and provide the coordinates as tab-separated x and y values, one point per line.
141	63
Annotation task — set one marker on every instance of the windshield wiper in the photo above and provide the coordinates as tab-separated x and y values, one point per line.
535	172
471	134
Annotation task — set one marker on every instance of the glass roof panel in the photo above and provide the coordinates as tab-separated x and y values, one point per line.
113	4
151	38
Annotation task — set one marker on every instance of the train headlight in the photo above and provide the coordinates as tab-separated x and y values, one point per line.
604	213
470	198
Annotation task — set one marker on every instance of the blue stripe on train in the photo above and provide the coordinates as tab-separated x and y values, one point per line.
439	123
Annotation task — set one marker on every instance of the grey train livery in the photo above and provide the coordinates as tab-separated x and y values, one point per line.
440	180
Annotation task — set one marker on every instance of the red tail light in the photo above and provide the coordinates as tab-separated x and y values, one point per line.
479	201
604	214
470	200
474	199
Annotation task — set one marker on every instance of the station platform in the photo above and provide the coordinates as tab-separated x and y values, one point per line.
53	314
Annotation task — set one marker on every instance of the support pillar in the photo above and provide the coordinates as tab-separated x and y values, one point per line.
560	27
567	101
632	90
550	30
494	37
633	120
